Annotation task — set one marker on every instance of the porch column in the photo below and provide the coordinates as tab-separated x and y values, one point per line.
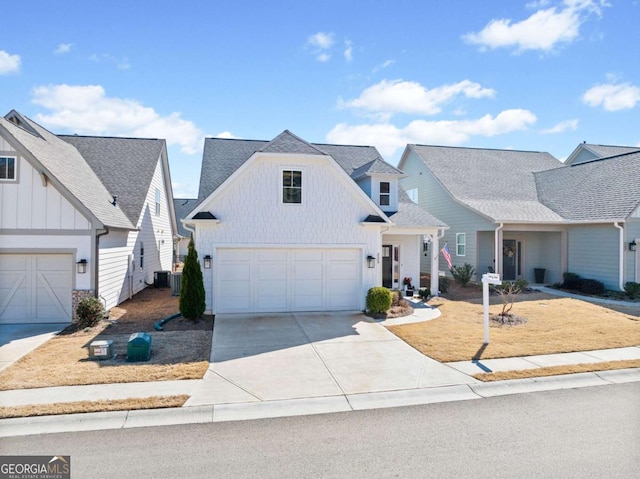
435	270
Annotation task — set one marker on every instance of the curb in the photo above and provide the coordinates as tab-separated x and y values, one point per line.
308	406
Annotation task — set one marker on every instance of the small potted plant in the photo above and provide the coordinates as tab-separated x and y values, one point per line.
407	287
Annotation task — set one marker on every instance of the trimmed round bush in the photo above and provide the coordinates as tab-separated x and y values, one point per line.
632	289
591	286
89	311
379	299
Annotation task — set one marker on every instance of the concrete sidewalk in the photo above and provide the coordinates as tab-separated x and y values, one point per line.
311	363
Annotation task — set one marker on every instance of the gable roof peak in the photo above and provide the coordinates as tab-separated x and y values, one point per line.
287	142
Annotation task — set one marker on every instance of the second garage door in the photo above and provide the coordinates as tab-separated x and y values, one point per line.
274	280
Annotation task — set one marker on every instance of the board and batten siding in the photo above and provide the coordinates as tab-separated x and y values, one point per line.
118	280
594	253
436	200
252	214
28	204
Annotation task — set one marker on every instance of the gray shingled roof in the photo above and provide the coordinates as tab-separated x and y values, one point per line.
222	157
124	165
610	150
182	207
410	215
67	165
377	166
499	184
605	189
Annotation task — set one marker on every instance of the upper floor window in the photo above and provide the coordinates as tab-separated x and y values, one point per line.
292	186
413	195
7	168
157	202
385	193
461	244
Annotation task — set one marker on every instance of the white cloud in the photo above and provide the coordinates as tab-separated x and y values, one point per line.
228	135
613	97
399	96
566	125
120	63
9	63
320	43
86	109
348	51
63	48
382	66
543	30
389	139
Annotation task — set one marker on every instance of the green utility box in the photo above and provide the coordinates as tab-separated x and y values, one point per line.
102	349
139	347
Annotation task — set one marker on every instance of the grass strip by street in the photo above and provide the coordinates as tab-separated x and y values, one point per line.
554	325
154	402
558	370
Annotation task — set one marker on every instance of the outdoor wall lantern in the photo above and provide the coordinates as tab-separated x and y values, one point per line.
371	261
207	262
81	266
633	246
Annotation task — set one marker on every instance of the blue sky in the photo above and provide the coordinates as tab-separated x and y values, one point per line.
532	75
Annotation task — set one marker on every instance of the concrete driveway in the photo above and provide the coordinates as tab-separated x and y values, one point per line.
17	340
264	357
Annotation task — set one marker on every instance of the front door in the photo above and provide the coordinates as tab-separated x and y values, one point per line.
387	266
511	259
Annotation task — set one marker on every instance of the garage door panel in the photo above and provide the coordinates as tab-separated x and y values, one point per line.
296	279
35	288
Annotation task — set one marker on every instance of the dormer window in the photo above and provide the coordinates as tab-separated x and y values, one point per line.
385	193
292	186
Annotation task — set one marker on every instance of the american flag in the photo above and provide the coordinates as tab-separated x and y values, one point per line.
446	254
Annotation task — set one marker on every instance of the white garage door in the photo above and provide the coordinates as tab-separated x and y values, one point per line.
274	280
35	288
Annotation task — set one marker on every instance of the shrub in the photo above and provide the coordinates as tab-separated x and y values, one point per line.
89	311
591	286
521	284
571	281
396	297
192	303
632	289
379	299
424	293
462	274
443	284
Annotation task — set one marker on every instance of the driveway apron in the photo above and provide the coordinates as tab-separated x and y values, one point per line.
263	357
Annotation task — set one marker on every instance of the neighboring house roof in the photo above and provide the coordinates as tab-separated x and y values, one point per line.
63	162
125	165
587	152
182	207
498	184
598	190
222	157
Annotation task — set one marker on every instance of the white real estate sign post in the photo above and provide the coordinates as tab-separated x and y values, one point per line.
487	279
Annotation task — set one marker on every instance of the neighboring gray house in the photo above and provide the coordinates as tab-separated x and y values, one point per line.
294	226
517	211
63	233
183	207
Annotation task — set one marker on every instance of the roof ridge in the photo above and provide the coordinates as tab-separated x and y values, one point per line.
110	137
478	148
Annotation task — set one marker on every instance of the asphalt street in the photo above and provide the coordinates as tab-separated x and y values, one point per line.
586	432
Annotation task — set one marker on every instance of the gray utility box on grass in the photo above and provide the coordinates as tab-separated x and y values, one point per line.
102	349
139	347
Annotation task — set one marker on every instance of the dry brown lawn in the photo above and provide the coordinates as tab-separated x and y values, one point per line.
154	402
554	325
181	351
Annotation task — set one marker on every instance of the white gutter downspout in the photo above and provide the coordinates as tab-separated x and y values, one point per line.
498	264
435	257
621	257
